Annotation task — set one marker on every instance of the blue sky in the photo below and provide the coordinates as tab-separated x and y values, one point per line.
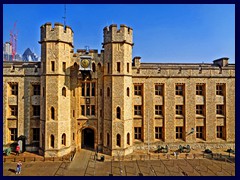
171	33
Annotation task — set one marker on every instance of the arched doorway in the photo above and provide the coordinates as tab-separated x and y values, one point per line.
88	138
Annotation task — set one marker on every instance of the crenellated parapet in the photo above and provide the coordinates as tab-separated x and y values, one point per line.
113	34
57	33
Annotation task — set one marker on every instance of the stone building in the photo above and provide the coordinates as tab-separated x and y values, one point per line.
113	103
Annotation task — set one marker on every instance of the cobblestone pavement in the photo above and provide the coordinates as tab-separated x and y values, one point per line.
85	163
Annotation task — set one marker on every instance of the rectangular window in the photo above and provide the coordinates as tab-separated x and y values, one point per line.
219	89
73	92
179	109
93	89
179	132
14	110
220	132
88	89
199	89
159	90
36	134
36	89
199	132
158	110
128	67
14	89
118	66
93	110
13	134
158	132
220	109
137	110
43	91
88	110
36	110
138	90
179	89
137	132
73	113
83	89
83	110
199	109
53	65
64	66
108	67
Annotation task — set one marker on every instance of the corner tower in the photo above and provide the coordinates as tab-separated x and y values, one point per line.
118	122
56	45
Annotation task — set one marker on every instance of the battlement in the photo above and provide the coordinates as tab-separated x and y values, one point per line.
113	34
93	52
56	33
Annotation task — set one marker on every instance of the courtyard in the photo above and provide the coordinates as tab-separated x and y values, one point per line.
86	163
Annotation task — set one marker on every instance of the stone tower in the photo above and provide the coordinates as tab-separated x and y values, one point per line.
118	122
56	45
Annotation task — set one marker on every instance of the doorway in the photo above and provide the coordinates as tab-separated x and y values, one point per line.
88	138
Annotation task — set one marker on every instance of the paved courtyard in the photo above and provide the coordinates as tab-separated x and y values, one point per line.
84	163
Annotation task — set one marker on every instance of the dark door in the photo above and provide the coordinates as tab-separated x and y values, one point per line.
88	138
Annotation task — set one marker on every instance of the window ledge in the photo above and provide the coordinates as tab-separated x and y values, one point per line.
220	116
12	118
178	116
137	116
199	116
159	117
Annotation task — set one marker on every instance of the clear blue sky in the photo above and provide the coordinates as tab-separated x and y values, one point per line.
162	32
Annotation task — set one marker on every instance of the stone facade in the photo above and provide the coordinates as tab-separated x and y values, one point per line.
117	104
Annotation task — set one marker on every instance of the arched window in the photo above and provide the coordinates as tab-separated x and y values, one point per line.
108	91
128	138
52	112
93	67
118	140
118	112
99	67
52	141
128	92
75	65
64	139
64	91
108	139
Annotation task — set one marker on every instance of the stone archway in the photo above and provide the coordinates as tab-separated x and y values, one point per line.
87	138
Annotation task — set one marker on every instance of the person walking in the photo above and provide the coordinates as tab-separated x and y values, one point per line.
17	150
19	167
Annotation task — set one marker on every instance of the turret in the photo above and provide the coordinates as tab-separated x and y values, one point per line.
112	34
56	33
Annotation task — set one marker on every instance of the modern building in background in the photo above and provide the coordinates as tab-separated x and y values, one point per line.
28	55
113	103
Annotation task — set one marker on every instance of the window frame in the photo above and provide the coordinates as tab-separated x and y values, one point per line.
179	110
13	134
179	132
14	89
138	133
158	132
137	110
138	90
36	89
159	89
179	89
